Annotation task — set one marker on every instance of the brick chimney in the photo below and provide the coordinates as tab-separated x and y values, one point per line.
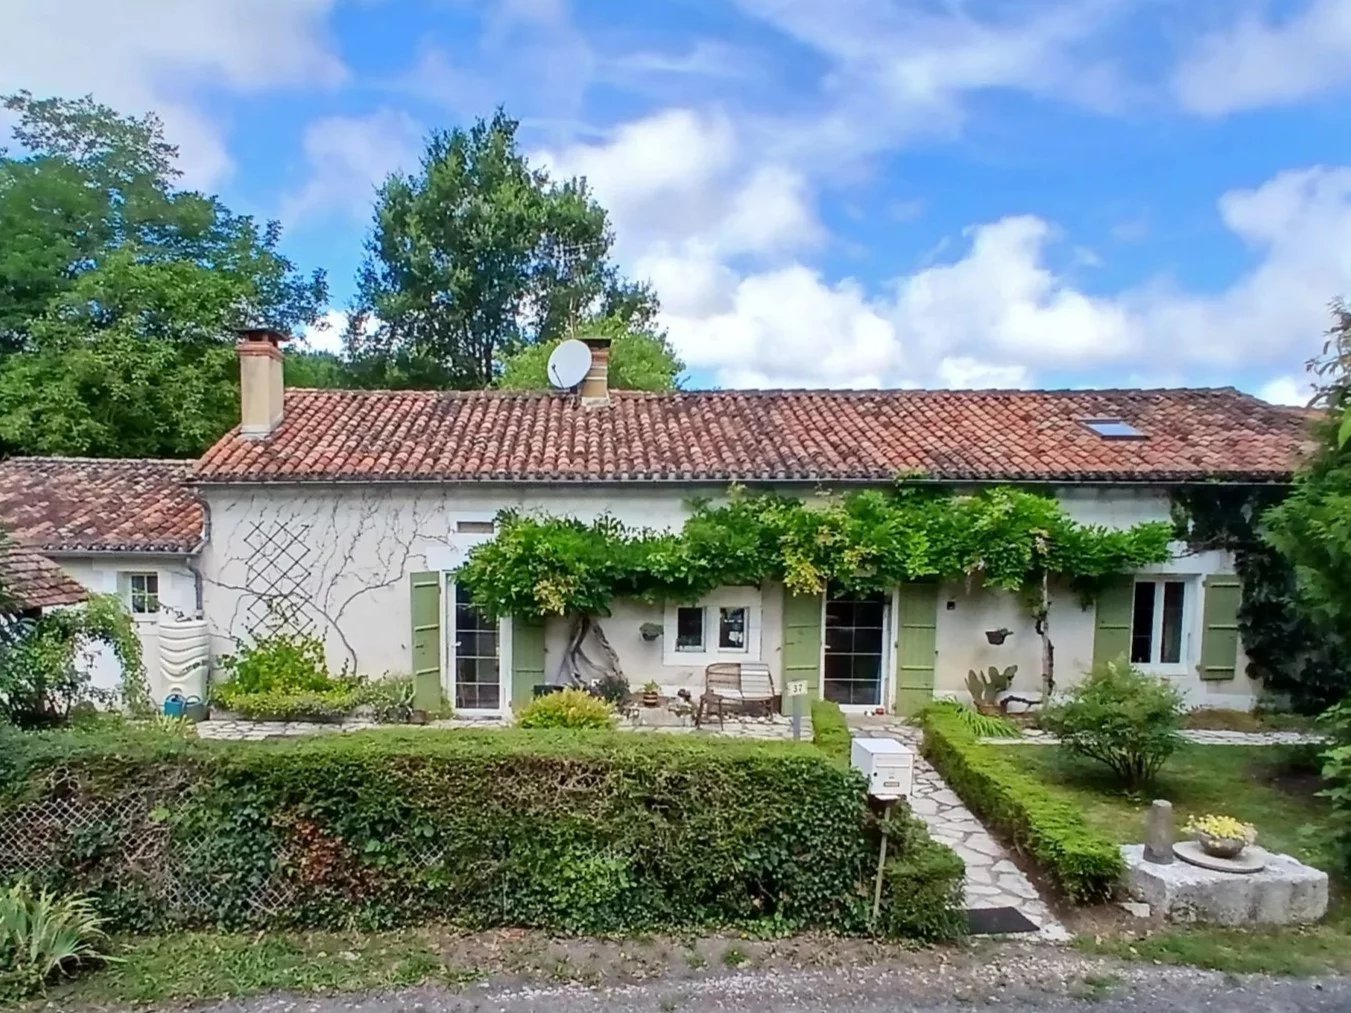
261	390
595	386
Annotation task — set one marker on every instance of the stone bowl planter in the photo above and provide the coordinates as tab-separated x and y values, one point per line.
1221	847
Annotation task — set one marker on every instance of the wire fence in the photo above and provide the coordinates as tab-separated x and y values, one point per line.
130	843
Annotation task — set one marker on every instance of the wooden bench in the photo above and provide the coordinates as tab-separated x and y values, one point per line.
746	685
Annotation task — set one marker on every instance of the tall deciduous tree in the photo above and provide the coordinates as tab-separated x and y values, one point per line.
1312	528
120	291
639	359
475	256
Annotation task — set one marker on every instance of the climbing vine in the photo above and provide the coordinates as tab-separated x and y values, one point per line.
41	677
869	540
1285	650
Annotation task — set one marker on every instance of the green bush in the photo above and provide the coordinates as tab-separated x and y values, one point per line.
1083	864
570	831
42	935
830	732
572	708
1337	775
923	887
285	677
1119	717
982	726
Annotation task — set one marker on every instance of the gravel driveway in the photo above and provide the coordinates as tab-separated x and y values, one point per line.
1058	982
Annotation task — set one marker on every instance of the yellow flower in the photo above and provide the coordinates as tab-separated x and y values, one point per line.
1224	828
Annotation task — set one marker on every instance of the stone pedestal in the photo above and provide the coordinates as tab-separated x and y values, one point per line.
1284	892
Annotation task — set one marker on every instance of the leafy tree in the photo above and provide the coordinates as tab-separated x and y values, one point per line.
475	256
120	291
308	367
1313	526
639	359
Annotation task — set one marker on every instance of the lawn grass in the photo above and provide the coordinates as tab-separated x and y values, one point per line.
194	966
1272	788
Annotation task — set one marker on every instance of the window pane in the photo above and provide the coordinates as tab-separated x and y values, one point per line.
1174	594
732	629
868	641
689	628
839	639
1142	624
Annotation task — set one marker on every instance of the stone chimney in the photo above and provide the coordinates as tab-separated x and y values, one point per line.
595	386
261	390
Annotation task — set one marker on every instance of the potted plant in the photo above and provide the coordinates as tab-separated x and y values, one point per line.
998	636
650	631
651	694
1221	836
985	688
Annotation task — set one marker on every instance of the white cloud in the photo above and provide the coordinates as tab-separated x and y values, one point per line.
1260	62
685	179
347	158
158	55
327	333
1290	390
997	312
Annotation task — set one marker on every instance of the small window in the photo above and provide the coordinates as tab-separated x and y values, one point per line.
474	527
1114	429
732	628
1157	621
142	593
689	628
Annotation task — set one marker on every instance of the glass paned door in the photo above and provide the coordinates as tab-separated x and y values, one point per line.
478	676
855	634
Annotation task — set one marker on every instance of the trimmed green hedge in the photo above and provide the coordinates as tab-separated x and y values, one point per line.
830	732
1084	865
594	832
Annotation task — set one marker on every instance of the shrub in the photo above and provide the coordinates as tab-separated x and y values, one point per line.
830	732
1122	718
42	935
278	662
43	680
923	888
613	688
592	832
1337	774
285	677
1084	865
572	708
982	726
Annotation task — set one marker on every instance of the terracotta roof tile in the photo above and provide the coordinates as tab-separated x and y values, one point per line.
1191	434
75	504
33	581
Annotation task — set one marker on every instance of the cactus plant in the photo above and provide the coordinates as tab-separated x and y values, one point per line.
985	687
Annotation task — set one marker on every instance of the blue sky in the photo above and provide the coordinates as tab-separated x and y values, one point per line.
823	192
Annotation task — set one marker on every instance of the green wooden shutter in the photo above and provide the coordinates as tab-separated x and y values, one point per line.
425	607
916	647
1219	634
1112	635
527	658
802	618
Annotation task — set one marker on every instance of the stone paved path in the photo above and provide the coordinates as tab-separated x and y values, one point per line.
992	879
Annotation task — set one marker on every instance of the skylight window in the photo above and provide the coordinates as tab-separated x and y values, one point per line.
1114	429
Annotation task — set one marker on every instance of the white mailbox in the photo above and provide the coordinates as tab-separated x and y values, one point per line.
888	765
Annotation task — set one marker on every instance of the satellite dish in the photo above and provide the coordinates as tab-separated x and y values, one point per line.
569	363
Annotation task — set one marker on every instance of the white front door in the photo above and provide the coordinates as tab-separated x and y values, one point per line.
856	627
476	662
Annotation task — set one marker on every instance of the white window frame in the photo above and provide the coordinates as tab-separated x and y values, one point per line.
745	630
702	647
126	585
1191	589
712	604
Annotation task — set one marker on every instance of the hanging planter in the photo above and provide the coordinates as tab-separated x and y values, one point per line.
998	636
650	631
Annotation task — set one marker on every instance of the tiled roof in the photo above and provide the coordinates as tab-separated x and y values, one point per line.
32	581
83	504
762	435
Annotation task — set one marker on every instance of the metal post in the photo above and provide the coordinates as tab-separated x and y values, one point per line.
881	864
797	718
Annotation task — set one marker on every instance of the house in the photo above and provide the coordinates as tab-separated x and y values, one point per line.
347	513
128	527
33	583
